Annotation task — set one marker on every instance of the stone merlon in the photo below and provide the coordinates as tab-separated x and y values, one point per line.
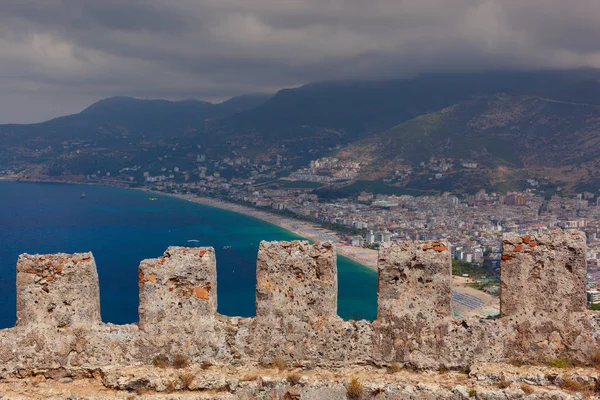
57	290
178	289
543	275
415	280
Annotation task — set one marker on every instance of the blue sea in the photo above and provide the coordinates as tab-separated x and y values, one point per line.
122	227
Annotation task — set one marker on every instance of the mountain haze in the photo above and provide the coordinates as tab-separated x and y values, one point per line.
512	125
130	117
359	107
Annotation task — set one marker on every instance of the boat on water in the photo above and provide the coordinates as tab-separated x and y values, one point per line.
83	195
226	247
152	198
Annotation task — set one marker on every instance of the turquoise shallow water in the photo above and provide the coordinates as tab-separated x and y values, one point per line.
122	227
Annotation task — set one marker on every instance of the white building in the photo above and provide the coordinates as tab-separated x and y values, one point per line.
593	296
358	241
370	237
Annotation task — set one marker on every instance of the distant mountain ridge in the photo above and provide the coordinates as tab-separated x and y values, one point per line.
121	115
374	106
526	123
517	130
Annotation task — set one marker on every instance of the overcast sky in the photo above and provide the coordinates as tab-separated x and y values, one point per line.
58	56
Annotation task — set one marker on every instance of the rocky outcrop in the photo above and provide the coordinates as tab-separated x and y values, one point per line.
296	324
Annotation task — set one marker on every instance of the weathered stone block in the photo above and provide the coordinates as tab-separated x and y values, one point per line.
296	278
414	303
178	290
542	298
415	281
543	275
57	290
296	306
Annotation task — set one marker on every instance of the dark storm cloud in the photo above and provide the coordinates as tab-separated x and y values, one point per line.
56	56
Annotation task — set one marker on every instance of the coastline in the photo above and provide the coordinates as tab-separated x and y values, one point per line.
309	230
490	305
316	233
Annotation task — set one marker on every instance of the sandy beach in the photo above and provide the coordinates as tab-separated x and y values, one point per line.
305	229
308	230
470	302
466	301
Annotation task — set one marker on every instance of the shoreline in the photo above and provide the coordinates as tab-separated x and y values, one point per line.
308	230
311	231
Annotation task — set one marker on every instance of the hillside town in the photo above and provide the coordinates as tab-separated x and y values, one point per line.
473	224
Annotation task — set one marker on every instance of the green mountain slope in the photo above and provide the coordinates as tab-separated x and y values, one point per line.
516	131
499	132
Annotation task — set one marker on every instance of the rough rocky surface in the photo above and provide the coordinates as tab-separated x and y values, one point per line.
59	334
543	295
296	309
295	278
178	303
177	290
57	290
482	382
414	299
415	281
543	275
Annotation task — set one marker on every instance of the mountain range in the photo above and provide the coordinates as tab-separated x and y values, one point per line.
512	126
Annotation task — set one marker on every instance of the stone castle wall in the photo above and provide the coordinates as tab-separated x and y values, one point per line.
543	311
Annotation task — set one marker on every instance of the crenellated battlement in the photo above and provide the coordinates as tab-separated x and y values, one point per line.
543	310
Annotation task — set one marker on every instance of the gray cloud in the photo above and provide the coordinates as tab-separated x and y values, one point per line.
57	56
